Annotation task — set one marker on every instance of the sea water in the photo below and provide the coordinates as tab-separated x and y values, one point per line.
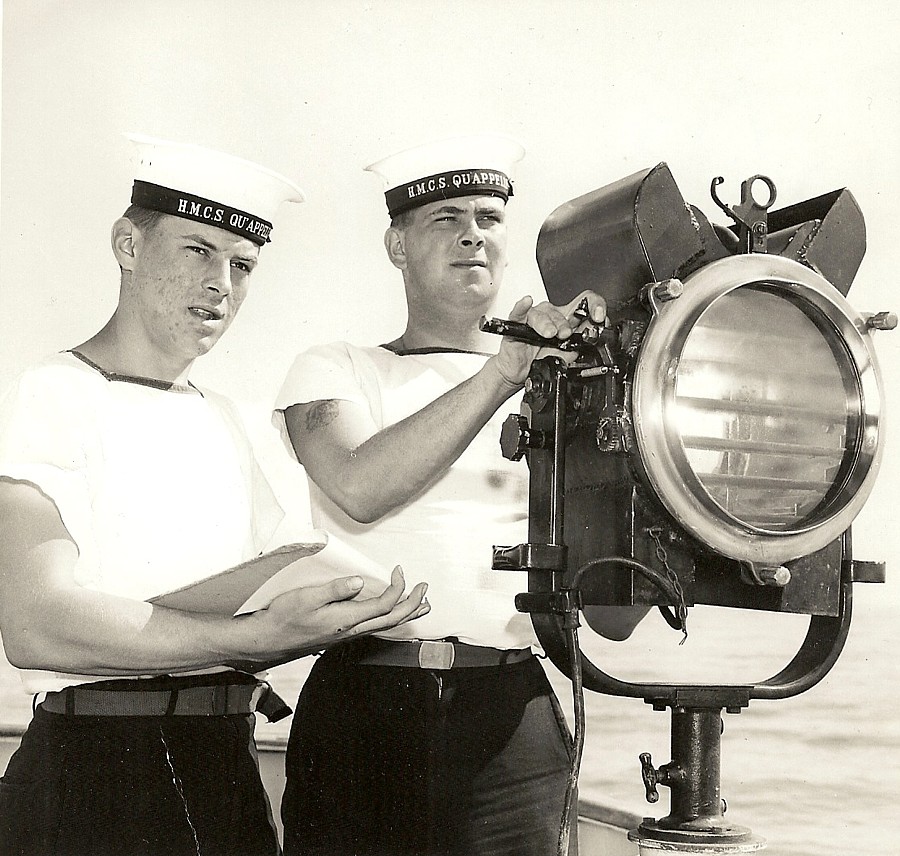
816	775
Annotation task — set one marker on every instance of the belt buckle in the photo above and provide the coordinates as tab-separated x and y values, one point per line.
436	655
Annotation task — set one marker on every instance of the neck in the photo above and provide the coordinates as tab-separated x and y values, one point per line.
446	325
124	352
463	335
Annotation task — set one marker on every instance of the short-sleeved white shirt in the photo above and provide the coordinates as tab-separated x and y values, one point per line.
445	535
158	487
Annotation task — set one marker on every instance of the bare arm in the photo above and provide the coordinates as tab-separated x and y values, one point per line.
50	622
367	472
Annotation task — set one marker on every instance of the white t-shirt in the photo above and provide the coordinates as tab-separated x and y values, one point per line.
445	535
157	487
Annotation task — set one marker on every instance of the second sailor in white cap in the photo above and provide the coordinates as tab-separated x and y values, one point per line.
442	736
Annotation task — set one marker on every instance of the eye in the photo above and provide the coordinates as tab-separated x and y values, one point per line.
242	266
200	251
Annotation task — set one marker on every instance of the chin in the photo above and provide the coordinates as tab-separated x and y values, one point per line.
203	347
480	285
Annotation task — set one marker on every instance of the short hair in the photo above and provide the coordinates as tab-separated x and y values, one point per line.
402	219
144	218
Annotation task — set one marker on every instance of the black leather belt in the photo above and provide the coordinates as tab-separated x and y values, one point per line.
427	654
167	696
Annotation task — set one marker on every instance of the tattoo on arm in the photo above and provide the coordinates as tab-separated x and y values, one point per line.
321	414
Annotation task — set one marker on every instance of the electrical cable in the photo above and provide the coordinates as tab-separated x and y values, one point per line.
654	577
574	650
570	626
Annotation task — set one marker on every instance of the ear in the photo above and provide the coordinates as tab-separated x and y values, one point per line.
395	245
124	238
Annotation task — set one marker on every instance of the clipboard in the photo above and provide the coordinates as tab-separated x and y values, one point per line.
254	584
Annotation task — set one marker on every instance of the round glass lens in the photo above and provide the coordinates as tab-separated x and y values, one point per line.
767	408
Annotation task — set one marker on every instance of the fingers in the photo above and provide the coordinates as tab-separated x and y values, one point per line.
398	582
408	609
345	588
316	617
520	310
391	594
561	321
378	613
549	321
390	599
340	589
596	306
403	610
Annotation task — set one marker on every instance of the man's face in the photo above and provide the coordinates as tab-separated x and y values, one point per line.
188	282
455	252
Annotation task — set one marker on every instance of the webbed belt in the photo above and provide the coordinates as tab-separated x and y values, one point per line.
220	694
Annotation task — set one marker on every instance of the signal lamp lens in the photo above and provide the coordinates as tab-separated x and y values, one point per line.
766	407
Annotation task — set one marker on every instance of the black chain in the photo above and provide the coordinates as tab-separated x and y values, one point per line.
681	607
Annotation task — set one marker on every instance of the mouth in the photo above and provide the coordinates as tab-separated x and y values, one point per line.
205	313
469	263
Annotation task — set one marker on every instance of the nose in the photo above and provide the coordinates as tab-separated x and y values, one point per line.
471	235
218	277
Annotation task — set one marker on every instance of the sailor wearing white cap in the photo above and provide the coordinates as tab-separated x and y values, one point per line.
478	165
119	479
442	736
210	187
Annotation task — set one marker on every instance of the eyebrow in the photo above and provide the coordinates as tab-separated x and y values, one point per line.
453	209
199	239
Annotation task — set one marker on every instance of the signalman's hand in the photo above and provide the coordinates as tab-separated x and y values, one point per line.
514	358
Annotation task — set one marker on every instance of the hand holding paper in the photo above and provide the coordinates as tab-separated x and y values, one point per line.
254	584
301	598
335	559
330	613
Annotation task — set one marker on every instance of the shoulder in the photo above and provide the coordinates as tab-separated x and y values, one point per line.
61	378
63	364
339	358
331	370
344	352
50	413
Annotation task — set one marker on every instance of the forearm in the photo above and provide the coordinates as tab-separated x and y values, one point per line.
369	480
88	632
50	622
368	472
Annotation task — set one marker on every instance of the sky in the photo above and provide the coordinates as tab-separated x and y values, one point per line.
318	89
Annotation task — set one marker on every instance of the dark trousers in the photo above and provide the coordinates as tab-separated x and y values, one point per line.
135	786
390	761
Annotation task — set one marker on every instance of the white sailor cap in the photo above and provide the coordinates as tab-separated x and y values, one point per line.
475	165
211	187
